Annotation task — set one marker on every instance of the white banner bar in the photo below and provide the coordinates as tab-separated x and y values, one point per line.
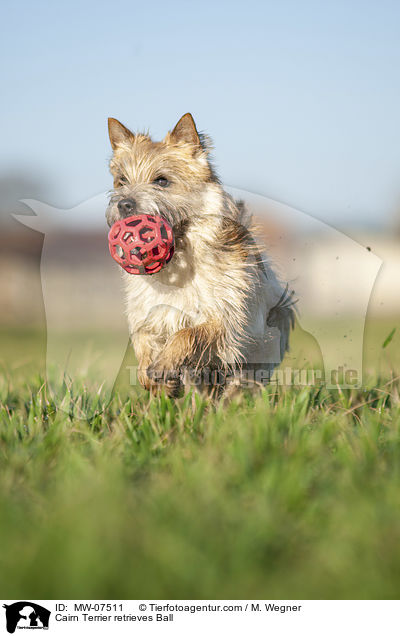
177	617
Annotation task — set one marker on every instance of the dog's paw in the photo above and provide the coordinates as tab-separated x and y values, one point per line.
173	387
157	374
169	379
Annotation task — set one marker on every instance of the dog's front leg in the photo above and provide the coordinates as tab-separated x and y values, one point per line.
146	348
193	349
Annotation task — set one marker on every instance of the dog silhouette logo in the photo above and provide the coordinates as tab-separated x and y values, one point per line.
26	615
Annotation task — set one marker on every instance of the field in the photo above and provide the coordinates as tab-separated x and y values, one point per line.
294	493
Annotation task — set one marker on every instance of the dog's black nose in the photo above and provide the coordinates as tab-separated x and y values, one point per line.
127	207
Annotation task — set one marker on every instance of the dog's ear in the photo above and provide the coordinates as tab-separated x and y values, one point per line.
118	133
185	130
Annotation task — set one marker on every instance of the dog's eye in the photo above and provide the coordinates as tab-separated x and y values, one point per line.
161	181
122	180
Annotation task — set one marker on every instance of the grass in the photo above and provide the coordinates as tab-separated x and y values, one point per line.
294	493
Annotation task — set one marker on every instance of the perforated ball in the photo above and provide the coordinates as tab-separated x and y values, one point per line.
141	244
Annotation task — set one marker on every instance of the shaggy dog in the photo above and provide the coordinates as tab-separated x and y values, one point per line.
216	314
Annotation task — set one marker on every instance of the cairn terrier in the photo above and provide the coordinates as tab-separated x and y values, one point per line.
216	315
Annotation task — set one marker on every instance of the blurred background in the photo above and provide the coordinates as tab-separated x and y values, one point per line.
302	101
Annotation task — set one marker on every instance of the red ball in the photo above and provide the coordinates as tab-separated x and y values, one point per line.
141	244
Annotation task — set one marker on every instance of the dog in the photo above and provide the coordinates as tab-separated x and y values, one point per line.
217	314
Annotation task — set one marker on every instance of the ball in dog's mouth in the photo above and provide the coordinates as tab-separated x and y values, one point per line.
141	244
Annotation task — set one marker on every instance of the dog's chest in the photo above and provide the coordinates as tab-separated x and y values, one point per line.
166	306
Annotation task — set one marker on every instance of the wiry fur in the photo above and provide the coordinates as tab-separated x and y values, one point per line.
218	303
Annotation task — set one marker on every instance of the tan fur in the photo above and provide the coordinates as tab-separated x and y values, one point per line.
218	303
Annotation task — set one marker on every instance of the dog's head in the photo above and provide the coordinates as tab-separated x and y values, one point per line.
172	178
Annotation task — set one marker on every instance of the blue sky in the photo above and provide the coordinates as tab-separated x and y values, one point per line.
301	98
